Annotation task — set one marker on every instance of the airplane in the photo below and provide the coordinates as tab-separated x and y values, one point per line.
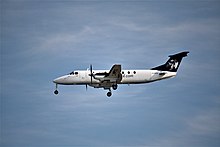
109	79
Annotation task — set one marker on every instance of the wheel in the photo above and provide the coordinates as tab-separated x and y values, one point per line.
56	92
109	94
114	87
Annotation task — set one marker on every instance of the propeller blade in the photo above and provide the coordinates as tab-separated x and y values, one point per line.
86	87
90	67
91	74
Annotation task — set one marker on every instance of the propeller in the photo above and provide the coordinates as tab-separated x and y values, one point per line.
91	74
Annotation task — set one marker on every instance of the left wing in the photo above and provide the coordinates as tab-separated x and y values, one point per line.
108	79
114	74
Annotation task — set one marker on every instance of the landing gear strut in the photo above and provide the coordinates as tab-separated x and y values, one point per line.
56	91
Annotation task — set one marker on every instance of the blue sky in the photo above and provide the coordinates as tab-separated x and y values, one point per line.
41	40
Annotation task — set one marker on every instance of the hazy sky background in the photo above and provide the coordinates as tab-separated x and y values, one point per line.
41	40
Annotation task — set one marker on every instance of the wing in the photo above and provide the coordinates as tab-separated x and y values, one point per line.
108	79
115	71
114	74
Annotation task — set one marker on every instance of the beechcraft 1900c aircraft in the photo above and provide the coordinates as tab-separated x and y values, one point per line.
108	79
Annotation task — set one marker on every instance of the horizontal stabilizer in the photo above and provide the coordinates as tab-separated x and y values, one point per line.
179	55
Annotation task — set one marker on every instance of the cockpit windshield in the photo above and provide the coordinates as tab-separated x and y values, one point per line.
72	73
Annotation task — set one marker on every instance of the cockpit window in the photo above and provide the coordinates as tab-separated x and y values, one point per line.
72	73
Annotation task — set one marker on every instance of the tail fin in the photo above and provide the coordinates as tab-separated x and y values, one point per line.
173	63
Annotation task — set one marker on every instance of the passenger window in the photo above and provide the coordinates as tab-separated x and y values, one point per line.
122	72
134	72
128	72
76	73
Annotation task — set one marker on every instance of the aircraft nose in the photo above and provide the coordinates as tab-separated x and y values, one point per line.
62	80
58	80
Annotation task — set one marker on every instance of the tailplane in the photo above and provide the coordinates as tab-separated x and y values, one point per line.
173	63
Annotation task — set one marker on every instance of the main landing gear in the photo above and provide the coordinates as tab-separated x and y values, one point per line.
109	93
114	87
56	91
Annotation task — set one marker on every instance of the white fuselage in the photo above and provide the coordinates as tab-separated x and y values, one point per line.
82	77
109	79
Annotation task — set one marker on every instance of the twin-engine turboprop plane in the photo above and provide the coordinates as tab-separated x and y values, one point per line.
109	79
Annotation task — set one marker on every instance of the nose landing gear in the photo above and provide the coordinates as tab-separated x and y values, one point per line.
56	91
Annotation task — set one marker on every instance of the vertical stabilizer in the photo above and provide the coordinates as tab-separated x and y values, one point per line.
173	63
